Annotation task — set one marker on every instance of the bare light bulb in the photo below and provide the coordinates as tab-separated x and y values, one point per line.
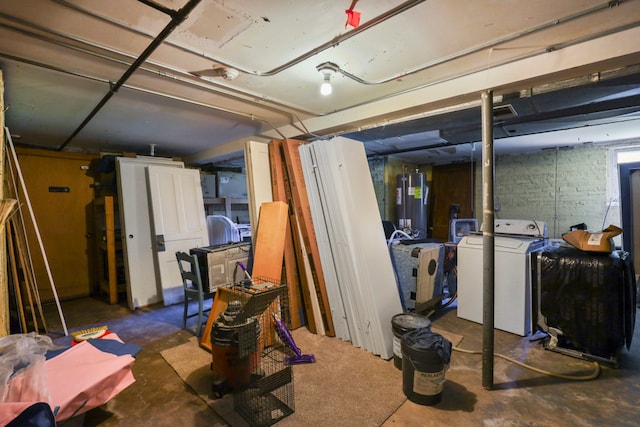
325	87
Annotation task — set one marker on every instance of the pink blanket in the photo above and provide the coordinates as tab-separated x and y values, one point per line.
79	379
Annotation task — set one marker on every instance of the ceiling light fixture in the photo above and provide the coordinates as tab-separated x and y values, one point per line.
327	69
325	87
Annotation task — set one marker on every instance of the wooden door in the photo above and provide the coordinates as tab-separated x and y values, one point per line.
177	221
59	186
142	287
451	184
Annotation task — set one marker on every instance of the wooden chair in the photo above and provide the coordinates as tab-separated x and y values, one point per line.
193	288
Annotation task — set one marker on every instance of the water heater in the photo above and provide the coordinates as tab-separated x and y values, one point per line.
411	203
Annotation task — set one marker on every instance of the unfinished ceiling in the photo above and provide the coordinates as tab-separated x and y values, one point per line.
197	79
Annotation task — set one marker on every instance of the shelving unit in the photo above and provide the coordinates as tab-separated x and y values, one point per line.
109	248
210	204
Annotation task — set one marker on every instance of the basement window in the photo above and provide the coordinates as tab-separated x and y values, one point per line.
616	156
628	156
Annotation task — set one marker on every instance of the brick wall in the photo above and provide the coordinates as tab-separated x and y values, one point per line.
561	187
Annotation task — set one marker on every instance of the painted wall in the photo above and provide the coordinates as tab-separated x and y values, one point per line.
561	187
376	166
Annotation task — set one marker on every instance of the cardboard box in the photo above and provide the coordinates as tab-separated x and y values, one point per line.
232	184
601	241
208	182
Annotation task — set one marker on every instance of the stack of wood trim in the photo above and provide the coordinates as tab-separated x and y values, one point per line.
4	287
266	184
21	273
285	156
299	306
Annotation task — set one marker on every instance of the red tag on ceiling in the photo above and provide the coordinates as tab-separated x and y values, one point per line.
353	18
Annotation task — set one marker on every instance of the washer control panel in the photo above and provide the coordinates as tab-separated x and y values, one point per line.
520	227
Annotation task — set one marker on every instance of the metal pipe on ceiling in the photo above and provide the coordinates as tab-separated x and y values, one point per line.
51	67
161	70
329	44
494	65
375	21
343	37
488	45
158	7
381	18
629	103
138	89
176	20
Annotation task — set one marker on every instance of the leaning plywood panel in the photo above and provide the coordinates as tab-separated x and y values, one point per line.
268	252
308	283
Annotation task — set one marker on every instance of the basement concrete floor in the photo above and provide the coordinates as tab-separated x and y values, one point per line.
518	397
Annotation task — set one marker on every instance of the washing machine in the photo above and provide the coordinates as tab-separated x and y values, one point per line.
513	242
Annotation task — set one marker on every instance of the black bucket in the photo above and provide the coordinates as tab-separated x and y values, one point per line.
401	324
234	348
425	359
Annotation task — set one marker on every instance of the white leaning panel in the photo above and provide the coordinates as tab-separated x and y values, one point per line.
256	156
372	254
352	222
322	227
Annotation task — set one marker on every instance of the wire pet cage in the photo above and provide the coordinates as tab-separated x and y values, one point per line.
268	396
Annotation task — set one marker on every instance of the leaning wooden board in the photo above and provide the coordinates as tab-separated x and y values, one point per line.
303	214
268	246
